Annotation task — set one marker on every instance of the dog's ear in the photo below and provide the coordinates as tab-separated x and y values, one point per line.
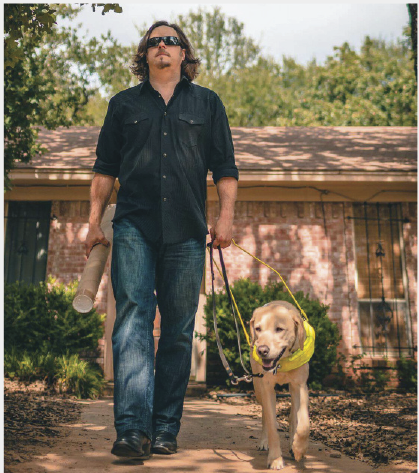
252	331
300	332
253	336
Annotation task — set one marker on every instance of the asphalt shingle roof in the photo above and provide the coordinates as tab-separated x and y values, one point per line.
317	149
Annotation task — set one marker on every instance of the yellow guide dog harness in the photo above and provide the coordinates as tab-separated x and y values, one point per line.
292	362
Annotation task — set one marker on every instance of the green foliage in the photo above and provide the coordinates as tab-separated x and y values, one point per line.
67	373
407	374
53	77
29	366
50	74
218	41
373	87
44	337
22	20
250	295
79	377
40	318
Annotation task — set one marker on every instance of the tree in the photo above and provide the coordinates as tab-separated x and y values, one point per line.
47	77
413	16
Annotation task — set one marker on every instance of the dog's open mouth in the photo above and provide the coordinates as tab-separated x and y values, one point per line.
270	363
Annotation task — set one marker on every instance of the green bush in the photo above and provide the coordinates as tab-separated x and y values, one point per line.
40	318
44	336
29	366
79	377
407	375
249	296
67	373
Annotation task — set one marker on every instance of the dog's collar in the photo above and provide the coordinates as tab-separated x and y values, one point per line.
296	359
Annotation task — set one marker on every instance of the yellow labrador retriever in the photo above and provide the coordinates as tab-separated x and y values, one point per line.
277	331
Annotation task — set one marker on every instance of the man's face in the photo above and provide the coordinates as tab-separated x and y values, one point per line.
162	56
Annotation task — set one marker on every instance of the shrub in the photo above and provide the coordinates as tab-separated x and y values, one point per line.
250	295
44	335
29	366
40	318
79	377
407	374
66	373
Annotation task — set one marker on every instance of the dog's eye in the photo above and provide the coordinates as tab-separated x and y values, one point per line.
279	329
257	329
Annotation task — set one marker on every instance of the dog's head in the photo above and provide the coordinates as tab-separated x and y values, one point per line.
277	330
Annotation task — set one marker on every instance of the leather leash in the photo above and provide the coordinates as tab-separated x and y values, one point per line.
233	378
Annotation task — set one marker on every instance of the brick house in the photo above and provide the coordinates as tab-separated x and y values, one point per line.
334	209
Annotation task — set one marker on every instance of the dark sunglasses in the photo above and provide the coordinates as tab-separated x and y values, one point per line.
167	40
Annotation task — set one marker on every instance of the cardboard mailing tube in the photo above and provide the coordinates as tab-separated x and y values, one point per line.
95	265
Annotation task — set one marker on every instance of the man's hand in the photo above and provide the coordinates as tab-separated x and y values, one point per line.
222	233
94	237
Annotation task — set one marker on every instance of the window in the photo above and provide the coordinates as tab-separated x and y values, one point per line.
381	280
26	247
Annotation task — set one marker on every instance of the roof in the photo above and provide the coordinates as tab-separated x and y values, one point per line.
315	149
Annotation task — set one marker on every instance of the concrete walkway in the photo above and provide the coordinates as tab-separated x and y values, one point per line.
214	438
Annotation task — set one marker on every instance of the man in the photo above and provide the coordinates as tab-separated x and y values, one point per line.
159	138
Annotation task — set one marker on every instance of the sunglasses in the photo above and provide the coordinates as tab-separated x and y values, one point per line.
167	40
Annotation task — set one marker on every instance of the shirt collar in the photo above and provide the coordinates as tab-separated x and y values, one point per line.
183	80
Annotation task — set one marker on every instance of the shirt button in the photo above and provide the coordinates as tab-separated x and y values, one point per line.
164	155
164	199
136	121
165	113
164	177
164	133
191	121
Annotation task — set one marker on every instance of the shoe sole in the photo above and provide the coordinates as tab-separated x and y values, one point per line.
125	451
162	450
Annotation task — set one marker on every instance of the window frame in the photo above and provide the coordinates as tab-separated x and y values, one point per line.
398	351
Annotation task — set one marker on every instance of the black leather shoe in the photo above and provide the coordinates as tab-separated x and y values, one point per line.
164	443
132	444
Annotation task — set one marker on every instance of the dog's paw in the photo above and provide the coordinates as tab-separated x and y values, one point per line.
276	463
263	445
299	450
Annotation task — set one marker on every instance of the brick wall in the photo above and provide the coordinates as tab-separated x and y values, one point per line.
291	237
312	252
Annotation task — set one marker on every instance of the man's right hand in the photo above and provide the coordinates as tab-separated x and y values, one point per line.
93	238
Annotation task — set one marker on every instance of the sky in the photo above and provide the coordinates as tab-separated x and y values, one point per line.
302	31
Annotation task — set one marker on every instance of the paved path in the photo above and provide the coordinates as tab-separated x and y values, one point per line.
214	438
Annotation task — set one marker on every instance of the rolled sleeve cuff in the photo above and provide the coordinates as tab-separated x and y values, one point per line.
227	171
106	168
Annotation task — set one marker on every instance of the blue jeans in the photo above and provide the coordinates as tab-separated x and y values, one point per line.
145	274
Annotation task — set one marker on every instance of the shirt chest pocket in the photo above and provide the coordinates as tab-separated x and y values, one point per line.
136	128
190	128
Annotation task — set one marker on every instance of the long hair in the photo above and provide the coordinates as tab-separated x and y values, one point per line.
189	66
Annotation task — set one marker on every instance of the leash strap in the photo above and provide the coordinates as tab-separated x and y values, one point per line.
223	268
230	373
233	378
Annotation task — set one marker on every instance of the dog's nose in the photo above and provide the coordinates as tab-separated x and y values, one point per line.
263	350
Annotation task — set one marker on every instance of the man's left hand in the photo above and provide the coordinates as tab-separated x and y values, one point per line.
222	233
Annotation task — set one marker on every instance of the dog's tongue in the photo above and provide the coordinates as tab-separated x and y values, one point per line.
267	363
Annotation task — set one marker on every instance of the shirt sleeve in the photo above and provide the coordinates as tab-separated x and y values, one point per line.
108	150
221	159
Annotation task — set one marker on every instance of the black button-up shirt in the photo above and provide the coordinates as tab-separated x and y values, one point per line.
161	156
